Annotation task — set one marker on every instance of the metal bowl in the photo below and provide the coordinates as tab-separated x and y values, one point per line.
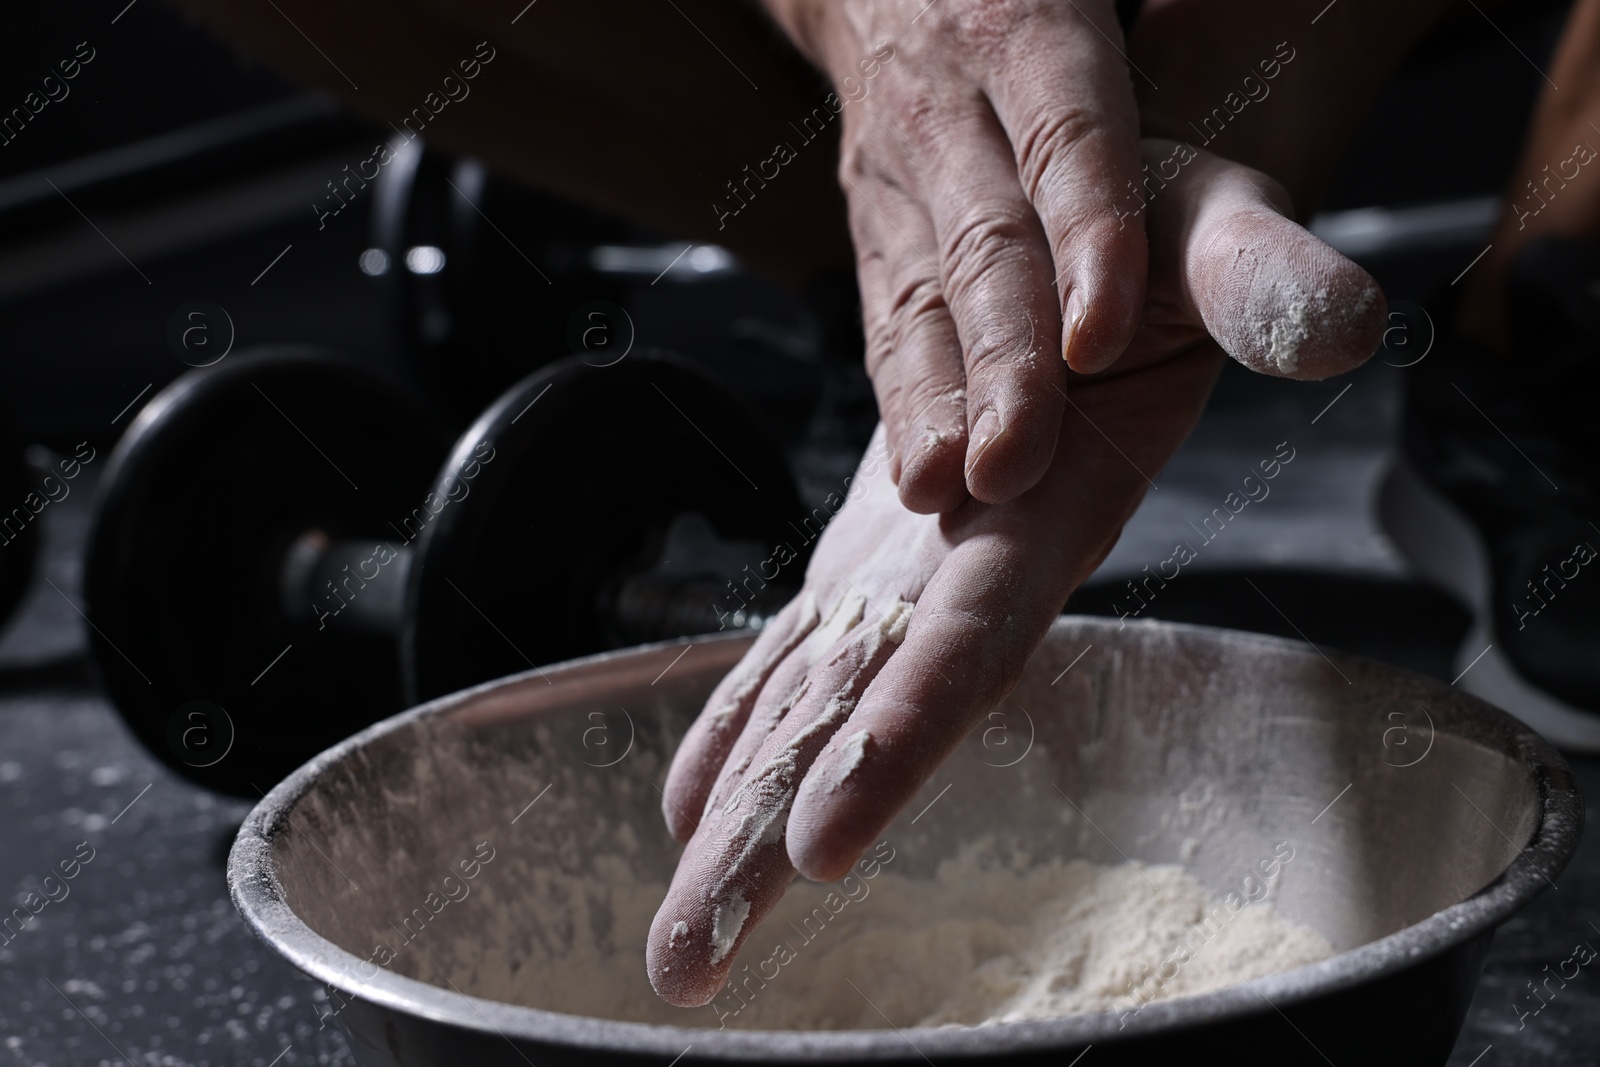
1420	817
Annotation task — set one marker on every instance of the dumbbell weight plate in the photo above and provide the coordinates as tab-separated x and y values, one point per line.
590	467
499	303
201	499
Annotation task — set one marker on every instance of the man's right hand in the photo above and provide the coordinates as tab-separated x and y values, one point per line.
988	150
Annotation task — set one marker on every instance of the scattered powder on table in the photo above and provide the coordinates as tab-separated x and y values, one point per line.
992	938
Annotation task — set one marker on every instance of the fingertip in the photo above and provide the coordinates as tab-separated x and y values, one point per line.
680	823
932	481
1274	296
1352	328
1008	454
677	962
822	863
1289	305
1083	351
823	849
840	807
1106	298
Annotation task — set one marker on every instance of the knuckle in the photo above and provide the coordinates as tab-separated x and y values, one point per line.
985	237
989	27
980	244
1048	141
913	117
918	298
853	162
926	115
999	344
888	388
934	404
916	303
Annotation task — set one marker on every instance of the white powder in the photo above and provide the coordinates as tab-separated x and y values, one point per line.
765	799
1290	327
830	775
896	621
993	937
851	753
1292	323
726	922
847	611
1287	335
721	714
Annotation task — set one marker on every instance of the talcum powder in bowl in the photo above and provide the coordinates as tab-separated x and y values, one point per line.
1100	864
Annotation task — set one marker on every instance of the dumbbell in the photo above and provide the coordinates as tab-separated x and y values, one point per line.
482	274
484	278
286	549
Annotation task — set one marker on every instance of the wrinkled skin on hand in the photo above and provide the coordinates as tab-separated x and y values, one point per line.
983	161
911	626
991	166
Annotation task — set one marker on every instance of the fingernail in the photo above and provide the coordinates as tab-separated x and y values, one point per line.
1076	312
984	431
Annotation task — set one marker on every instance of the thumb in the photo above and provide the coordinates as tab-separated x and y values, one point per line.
1276	298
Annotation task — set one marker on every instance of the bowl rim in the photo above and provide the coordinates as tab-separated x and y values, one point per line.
259	897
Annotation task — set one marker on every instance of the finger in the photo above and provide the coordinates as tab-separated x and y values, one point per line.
757	695
736	868
964	650
913	353
988	607
789	687
1276	298
1069	112
997	278
699	760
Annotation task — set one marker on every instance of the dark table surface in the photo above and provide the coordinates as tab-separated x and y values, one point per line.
145	961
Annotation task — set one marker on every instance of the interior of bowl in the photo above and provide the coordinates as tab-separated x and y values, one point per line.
510	844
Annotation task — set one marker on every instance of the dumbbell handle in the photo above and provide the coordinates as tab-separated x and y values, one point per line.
654	607
363	585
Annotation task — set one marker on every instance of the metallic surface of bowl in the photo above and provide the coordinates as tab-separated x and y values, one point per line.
1420	819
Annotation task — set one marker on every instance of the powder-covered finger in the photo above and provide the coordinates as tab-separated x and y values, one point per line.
757	695
700	758
1276	298
801	677
988	606
736	867
972	631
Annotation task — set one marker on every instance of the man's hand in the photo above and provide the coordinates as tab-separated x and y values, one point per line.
910	627
987	146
